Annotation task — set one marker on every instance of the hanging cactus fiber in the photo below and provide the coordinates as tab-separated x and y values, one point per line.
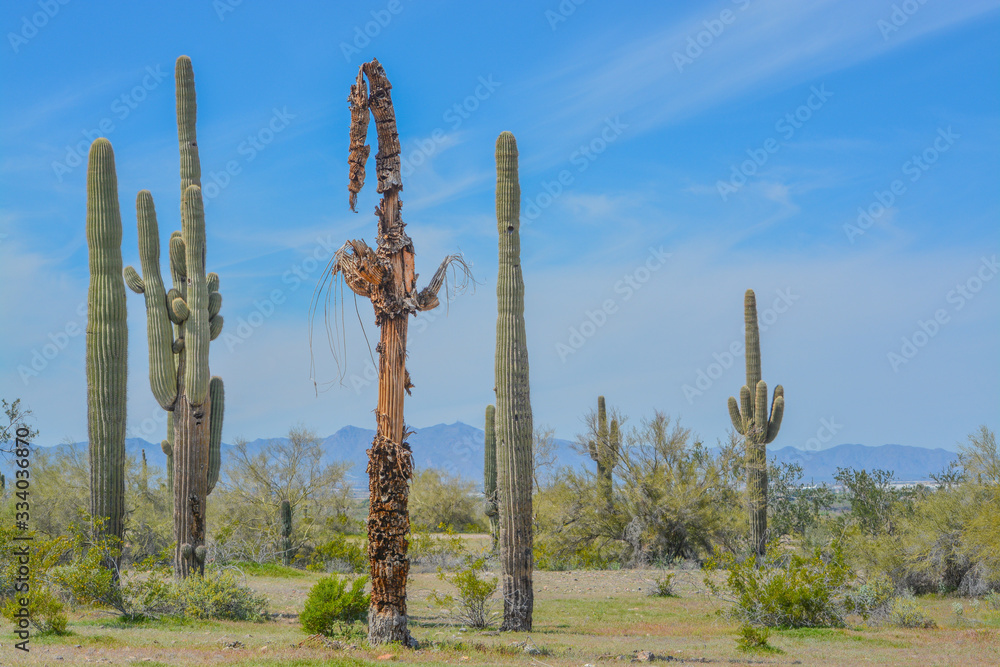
180	323
107	344
759	426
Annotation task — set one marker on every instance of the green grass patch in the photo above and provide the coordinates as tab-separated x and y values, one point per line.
268	570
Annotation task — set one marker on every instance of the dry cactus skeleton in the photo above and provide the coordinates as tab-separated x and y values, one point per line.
385	275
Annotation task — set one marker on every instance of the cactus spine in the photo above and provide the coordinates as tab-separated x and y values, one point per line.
286	532
490	472
180	324
107	343
513	411
604	451
752	420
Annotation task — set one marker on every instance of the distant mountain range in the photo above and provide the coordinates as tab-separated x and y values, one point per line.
458	449
909	464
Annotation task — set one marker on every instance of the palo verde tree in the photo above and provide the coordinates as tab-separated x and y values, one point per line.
515	465
386	276
759	427
180	323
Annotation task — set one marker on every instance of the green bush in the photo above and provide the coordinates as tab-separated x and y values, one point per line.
665	585
752	638
443	551
872	600
905	612
797	592
217	596
339	554
331	605
475	607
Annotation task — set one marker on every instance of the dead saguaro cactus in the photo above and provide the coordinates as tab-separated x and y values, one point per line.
513	412
752	420
386	276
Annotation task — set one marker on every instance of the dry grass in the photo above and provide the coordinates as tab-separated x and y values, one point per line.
597	618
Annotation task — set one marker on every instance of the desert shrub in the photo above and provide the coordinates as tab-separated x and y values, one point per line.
339	554
430	552
475	606
905	612
218	596
784	592
672	499
665	585
46	611
872	600
438	498
793	509
331	605
752	638
254	482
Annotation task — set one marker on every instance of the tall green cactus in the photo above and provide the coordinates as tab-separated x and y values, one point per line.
513	411
752	420
107	343
286	532
604	449
490	472
180	324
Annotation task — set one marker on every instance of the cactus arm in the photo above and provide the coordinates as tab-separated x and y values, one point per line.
752	338
614	442
196	330
213	281
215	327
359	149
760	413
746	406
187	114
162	369
133	281
777	412
214	304
734	415
217	399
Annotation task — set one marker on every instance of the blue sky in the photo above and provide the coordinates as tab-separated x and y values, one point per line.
840	158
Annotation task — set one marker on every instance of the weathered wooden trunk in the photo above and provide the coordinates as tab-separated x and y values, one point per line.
387	277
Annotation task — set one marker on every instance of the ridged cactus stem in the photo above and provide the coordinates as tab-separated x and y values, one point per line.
751	419
603	450
180	324
286	532
187	112
513	409
217	394
107	343
490	473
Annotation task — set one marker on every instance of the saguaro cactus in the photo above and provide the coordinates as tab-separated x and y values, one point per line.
286	532
604	451
752	420
107	343
180	323
490	472
387	277
513	415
